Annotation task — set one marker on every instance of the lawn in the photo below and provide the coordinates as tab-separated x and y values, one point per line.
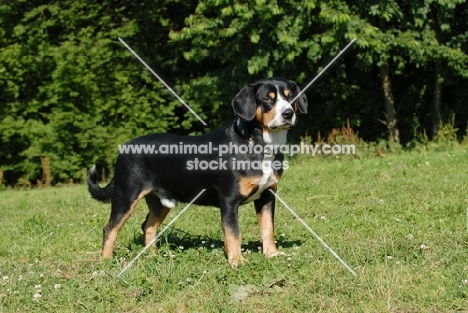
400	221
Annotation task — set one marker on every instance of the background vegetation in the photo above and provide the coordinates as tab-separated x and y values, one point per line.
70	92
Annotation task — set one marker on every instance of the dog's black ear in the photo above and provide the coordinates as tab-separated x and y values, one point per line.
302	100
244	104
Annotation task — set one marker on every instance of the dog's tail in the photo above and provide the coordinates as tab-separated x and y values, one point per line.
98	193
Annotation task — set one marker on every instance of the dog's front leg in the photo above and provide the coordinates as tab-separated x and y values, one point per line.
231	232
265	209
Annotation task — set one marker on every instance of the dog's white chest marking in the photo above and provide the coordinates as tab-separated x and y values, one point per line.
269	178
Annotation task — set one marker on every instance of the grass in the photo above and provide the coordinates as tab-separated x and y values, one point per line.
399	221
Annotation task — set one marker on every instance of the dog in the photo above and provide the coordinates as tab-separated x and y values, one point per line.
263	115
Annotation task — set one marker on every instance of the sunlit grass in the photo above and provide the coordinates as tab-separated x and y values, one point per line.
399	221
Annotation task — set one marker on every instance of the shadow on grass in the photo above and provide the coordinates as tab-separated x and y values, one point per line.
176	238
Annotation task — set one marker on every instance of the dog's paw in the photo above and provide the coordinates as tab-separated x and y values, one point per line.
236	261
270	251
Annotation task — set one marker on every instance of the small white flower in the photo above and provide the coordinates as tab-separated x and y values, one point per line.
389	257
465	282
181	247
5	278
20	277
94	274
427	163
283	235
289	259
188	279
42	275
57	286
410	236
423	247
38	286
212	245
37	295
322	218
203	242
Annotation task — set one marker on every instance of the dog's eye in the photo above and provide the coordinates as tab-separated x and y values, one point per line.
267	99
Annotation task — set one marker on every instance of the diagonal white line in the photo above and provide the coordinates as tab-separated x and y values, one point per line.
160	233
163	82
323	70
315	235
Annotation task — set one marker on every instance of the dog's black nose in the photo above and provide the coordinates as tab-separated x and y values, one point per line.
288	114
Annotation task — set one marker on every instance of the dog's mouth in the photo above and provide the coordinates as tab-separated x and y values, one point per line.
286	125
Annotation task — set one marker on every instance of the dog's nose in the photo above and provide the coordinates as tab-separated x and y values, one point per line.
288	114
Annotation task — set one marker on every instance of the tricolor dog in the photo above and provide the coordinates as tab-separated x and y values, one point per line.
263	114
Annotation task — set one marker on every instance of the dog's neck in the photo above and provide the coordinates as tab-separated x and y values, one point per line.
252	133
277	137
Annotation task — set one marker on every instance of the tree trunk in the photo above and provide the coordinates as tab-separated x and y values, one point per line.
435	114
389	102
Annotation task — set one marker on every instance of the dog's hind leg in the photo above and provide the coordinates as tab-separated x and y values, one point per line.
157	214
121	209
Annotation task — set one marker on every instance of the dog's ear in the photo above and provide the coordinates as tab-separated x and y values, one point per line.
302	100
244	104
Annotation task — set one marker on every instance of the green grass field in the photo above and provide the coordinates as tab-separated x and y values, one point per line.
399	221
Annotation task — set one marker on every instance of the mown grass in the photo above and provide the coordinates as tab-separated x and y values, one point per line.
399	221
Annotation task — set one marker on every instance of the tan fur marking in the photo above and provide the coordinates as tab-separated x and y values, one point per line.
268	117
267	233
232	246
109	242
259	115
287	92
295	107
248	184
265	118
272	95
153	223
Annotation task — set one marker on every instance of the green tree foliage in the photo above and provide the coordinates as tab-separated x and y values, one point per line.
240	42
71	92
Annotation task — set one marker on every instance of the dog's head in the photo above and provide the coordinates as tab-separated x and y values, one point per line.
269	102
